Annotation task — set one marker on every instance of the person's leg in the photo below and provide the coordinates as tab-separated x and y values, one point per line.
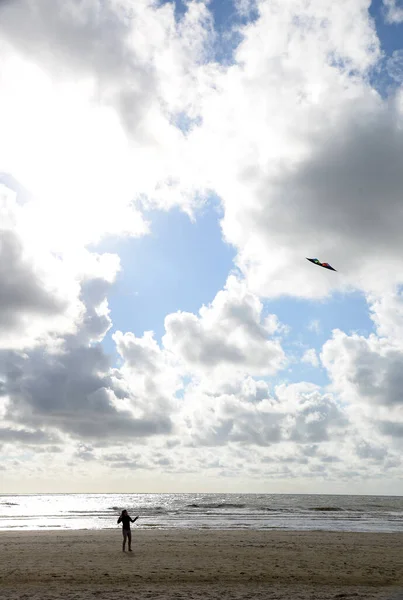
129	535
124	539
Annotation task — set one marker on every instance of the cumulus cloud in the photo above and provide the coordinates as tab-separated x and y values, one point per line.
298	414
366	375
230	332
365	372
116	46
289	223
370	368
74	388
218	420
303	173
386	312
232	343
317	420
394	12
150	373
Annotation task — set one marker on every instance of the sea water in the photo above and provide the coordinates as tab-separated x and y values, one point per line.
203	511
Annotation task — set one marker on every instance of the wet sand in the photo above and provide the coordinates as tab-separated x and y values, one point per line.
196	565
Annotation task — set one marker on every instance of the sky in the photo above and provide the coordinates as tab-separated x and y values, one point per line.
165	170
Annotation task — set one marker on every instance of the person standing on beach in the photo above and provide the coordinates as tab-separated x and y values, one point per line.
125	519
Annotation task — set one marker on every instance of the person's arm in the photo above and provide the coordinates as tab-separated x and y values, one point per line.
132	520
119	520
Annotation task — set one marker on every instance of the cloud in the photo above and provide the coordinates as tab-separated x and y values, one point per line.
150	373
318	419
92	92
394	12
22	293
368	368
231	332
366	375
297	414
370	451
394	64
219	420
74	388
303	172
391	428
25	436
38	294
310	357
91	40
245	7
219	351
288	222
386	311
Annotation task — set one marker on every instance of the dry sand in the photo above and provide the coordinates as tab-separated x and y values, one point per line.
196	565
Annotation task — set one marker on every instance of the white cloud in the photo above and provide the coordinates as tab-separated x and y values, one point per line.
150	374
394	12
245	7
231	332
73	389
89	115
38	292
367	369
292	414
290	133
394	64
387	313
310	357
366	375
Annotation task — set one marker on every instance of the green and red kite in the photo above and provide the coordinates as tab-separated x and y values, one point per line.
315	261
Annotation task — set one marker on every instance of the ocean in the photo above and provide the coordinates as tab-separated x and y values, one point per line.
203	511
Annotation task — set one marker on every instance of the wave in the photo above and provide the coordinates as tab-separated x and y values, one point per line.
86	512
216	505
327	509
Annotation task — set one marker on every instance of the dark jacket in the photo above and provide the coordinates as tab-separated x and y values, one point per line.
126	520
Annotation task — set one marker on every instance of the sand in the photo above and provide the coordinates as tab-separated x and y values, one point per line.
196	565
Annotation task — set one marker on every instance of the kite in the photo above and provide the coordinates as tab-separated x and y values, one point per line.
320	264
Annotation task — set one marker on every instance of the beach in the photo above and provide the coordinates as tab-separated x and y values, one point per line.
201	564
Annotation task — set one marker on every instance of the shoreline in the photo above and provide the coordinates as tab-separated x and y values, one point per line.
200	564
173	528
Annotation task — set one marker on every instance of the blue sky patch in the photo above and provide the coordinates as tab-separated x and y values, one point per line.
181	265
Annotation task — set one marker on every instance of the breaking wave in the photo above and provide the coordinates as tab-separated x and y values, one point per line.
216	505
327	509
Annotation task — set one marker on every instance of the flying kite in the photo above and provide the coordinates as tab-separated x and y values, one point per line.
315	261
